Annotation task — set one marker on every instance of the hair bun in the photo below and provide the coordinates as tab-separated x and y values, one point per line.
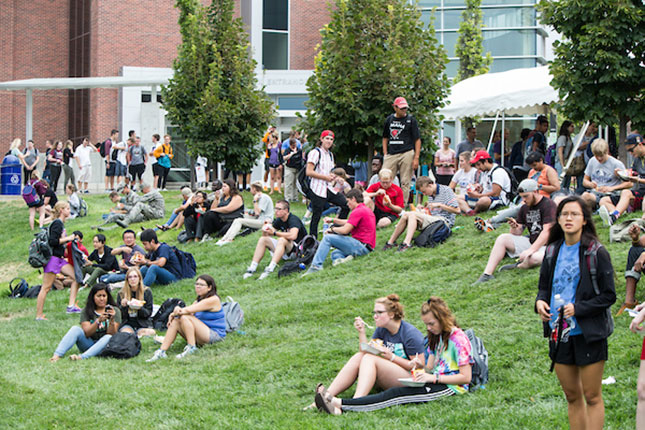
393	297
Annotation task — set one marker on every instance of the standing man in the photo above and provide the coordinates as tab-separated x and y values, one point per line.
137	159
401	144
110	165
82	157
156	169
470	143
537	140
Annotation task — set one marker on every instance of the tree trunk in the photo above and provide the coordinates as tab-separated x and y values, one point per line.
192	172
622	135
370	156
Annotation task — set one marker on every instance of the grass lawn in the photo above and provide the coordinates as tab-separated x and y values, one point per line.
297	332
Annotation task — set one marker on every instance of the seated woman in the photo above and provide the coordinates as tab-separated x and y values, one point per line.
74	201
100	319
401	343
191	215
136	318
227	205
447	366
201	323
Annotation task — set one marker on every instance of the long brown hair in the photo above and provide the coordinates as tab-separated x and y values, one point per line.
443	315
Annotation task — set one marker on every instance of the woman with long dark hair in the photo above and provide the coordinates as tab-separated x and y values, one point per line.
100	319
563	149
201	323
227	205
574	307
55	158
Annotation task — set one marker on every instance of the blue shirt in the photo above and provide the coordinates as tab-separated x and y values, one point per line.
214	321
172	263
405	343
566	278
285	145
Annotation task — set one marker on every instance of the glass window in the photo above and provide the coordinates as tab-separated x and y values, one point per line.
505	2
451	18
275	15
275	51
292	103
449	42
451	68
429	3
509	42
509	17
427	15
504	64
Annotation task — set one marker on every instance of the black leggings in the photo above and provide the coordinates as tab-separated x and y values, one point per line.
163	176
318	206
397	396
55	171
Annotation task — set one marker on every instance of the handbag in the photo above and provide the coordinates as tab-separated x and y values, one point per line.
577	166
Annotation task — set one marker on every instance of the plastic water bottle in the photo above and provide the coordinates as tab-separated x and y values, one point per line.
302	266
558	302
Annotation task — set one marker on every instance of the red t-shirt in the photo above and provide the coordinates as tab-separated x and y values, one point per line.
394	192
364	222
68	252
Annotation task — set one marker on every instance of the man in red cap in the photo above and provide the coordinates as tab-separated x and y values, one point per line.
494	184
401	144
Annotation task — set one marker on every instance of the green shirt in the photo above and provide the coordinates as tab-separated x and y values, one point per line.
103	326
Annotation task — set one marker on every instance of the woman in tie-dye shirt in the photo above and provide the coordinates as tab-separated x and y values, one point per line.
447	364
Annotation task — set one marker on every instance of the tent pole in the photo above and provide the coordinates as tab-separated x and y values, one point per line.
492	132
29	119
576	144
502	134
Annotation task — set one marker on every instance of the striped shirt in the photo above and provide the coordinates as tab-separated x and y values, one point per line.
445	196
325	162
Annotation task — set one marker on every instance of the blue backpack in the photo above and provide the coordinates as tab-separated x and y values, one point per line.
188	267
18	290
435	233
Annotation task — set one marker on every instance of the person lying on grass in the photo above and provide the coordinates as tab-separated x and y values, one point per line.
100	319
398	341
137	316
445	369
201	323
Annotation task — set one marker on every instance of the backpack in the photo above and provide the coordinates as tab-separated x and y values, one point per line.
114	154
305	252
233	314
30	195
303	182
188	268
550	156
512	195
480	366
18	290
32	292
39	250
102	148
160	319
82	208
435	233
591	255
122	345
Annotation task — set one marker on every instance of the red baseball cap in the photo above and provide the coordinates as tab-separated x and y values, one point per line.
479	156
400	102
326	133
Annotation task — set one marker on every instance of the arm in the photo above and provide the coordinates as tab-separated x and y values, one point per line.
146	311
561	156
384	143
345	229
417	152
311	172
207	304
554	181
588	183
447	208
463	377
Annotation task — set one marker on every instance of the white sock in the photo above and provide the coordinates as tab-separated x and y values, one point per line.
253	266
271	266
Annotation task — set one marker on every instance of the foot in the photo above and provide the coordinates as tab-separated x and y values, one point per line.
508	267
403	247
75	357
483	278
158	355
158	339
54	358
471	213
206	238
121	224
99	228
626	305
605	216
248	274
388	245
324	401
312	269
265	274
41	318
188	349
223	242
73	309
342	260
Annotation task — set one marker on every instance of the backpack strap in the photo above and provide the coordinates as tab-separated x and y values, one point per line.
591	254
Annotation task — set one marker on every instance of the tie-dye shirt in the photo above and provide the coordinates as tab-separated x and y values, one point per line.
448	360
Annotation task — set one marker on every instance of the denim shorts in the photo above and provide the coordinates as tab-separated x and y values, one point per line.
214	337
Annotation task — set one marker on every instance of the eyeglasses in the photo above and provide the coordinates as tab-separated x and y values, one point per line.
378	312
201	284
280	208
570	214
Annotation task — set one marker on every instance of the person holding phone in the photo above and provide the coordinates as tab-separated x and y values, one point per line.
100	319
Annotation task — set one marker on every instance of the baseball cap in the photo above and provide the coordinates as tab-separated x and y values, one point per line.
326	133
480	155
400	102
527	186
633	139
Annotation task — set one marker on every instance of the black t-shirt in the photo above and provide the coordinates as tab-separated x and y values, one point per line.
639	168
52	197
67	155
294	162
56	229
535	217
291	222
401	133
540	140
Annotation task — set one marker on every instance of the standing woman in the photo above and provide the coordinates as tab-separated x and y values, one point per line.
164	154
580	350
68	171
136	319
57	263
563	149
274	162
100	319
30	160
55	158
39	205
201	323
445	160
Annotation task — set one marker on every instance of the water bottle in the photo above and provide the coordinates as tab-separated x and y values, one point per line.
558	302
302	266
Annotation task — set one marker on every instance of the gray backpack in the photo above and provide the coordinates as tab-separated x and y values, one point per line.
233	314
480	367
39	250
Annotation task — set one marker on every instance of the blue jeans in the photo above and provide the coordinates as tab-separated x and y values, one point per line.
345	245
112	278
156	275
88	347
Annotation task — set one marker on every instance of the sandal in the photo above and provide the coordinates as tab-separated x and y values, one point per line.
324	404
624	306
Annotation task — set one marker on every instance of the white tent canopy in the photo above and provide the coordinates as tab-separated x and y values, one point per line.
518	91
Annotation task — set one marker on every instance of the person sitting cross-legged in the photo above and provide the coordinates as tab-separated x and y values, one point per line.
361	226
279	237
538	216
495	184
100	262
150	206
634	268
442	205
388	199
262	211
160	265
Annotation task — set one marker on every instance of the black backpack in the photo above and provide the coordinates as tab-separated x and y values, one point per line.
122	345
305	252
160	319
102	148
432	235
303	182
480	367
19	289
186	262
32	292
514	184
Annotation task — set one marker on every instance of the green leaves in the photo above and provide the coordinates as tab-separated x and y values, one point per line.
469	48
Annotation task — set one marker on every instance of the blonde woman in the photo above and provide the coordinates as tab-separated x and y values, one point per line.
135	318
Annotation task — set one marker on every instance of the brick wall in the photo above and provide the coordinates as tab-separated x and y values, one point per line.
307	17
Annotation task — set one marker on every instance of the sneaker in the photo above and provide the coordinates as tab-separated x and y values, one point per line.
73	309
188	349
121	223
206	238
482	225
403	247
388	245
159	354
265	274
606	216
223	242
342	260
508	267
248	274
312	269
483	278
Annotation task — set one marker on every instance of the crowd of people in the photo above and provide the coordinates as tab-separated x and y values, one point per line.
550	221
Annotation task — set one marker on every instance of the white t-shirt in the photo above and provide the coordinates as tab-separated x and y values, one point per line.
603	173
463	179
266	208
499	177
83	154
121	155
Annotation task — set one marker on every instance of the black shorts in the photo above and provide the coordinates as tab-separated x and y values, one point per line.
273	166
109	171
136	170
157	170
379	213
266	163
578	352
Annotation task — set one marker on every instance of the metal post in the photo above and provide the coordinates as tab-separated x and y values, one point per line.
153	94
503	129
492	132
29	120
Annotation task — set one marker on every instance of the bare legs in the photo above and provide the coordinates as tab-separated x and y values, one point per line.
48	281
407	223
583	390
640	388
190	328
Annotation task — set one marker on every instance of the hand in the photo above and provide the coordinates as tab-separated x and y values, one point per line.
417	362
434	205
380	192
640	307
603	189
103	317
473	194
124	302
415	163
638	265
426	377
637	323
126	249
569	310
594	185
543	310
328	220
525	255
359	324
512	222
634	231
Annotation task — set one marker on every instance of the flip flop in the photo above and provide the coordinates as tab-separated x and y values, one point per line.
42	319
323	404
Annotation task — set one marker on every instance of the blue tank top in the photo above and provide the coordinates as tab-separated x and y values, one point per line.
213	320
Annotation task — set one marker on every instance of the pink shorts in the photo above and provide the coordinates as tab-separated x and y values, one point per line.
643	351
55	264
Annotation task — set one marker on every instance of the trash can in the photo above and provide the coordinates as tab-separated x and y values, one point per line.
11	176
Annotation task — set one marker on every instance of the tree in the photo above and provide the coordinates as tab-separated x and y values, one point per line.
371	52
599	67
212	95
469	47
